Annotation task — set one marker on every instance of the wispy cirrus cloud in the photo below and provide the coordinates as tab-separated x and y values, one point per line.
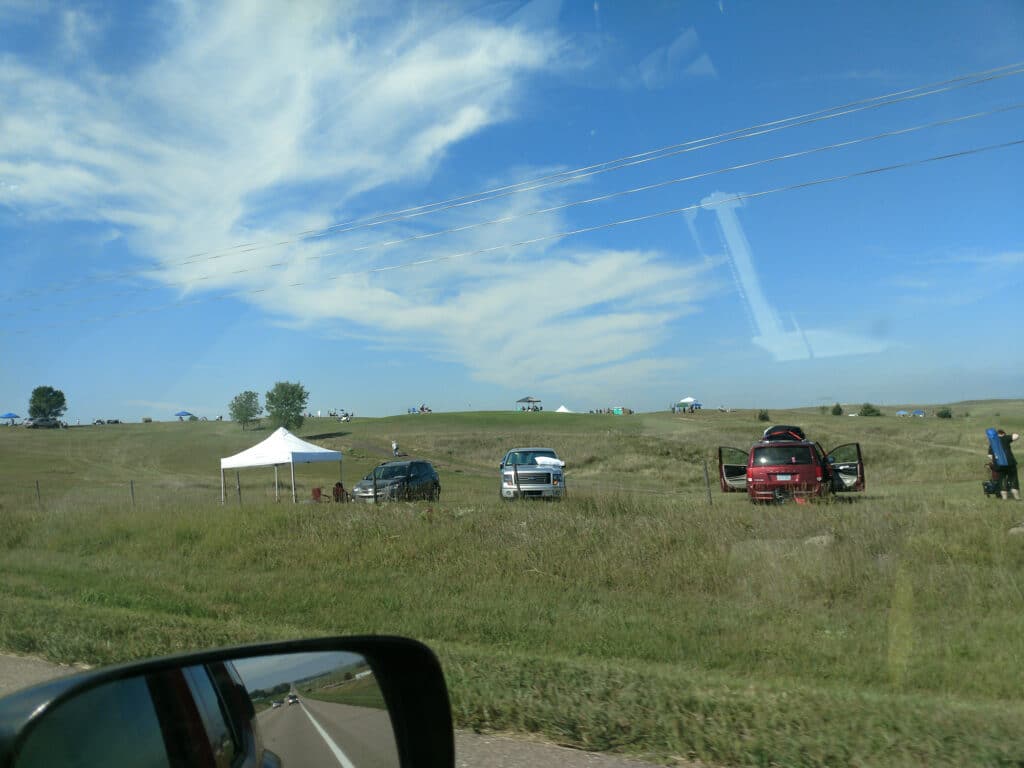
254	121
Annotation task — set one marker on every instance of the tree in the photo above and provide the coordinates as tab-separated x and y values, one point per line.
944	413
286	403
837	410
869	410
763	415
46	403
245	408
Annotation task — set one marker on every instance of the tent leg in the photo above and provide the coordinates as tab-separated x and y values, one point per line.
295	499
222	486
277	490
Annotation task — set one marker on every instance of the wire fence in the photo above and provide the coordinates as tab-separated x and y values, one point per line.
150	492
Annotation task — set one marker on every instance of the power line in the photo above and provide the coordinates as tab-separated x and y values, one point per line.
580	230
552	209
563	177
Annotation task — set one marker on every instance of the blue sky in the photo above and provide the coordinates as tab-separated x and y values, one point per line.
375	199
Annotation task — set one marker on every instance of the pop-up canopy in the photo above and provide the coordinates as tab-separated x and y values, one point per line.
282	447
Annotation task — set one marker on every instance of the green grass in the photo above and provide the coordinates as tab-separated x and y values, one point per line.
356	693
632	617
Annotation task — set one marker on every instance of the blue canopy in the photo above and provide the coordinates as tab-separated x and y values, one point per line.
10	416
183	413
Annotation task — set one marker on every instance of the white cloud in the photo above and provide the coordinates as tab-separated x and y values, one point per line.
247	105
78	30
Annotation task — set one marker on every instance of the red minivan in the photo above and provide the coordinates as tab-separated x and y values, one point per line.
775	470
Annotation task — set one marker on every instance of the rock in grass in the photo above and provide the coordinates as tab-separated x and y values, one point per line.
821	541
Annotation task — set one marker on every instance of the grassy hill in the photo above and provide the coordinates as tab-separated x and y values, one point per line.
887	629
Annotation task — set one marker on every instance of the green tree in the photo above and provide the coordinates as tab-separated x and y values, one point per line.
286	403
944	413
245	408
46	403
763	415
837	410
869	410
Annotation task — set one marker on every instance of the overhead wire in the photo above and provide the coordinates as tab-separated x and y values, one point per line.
560	177
580	230
563	177
555	208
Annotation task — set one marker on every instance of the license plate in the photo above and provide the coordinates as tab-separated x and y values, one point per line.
783	477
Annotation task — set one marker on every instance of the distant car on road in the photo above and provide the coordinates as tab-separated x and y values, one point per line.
292	699
532	473
399	481
276	704
42	422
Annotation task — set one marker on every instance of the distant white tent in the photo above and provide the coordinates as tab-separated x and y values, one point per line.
563	409
687	400
282	447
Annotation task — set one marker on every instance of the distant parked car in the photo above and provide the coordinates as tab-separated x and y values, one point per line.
399	480
42	422
532	473
784	465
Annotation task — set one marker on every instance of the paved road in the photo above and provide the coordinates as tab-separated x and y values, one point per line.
290	730
321	734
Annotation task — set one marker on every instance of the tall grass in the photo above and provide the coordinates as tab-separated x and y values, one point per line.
884	630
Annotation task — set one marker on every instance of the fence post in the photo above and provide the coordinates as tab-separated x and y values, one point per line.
707	481
131	488
238	486
39	496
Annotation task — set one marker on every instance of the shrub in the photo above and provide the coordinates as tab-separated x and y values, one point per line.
762	415
869	410
837	410
944	413
147	420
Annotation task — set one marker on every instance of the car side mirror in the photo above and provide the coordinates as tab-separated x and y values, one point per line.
354	701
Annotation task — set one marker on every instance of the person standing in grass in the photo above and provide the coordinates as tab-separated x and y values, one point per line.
1005	475
394	447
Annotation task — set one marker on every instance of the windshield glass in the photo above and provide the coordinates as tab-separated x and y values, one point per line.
631	234
781	454
391	471
527	457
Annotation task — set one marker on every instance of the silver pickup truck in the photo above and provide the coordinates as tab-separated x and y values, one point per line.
532	473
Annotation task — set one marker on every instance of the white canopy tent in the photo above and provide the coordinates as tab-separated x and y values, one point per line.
282	447
563	409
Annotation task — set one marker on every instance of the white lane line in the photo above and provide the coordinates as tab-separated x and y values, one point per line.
338	754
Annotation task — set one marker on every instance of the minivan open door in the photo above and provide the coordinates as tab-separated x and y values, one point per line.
847	468
732	469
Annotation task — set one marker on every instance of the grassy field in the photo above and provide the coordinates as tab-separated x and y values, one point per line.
634	616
